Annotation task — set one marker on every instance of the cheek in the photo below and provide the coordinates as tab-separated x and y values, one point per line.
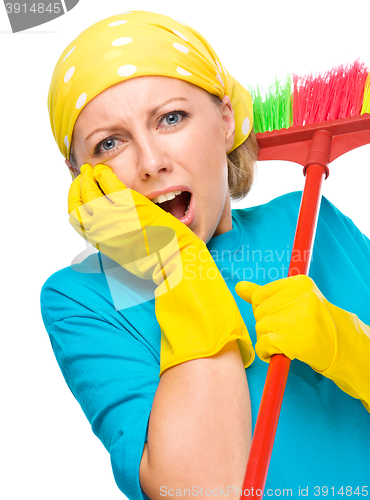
213	159
120	166
213	145
201	145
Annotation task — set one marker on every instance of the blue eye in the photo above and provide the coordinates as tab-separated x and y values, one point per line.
108	144
172	119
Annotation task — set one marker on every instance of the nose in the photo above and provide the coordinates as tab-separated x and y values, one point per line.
152	160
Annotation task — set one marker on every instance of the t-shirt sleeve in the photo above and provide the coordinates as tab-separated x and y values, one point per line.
341	261
347	231
110	371
340	264
362	240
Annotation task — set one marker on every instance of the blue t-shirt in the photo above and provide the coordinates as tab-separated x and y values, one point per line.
110	356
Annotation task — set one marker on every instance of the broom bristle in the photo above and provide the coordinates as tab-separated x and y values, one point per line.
339	93
272	110
335	94
366	101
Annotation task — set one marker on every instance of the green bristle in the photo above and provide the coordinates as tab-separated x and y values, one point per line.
288	104
276	116
258	112
273	109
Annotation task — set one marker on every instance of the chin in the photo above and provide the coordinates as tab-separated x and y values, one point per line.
207	226
204	234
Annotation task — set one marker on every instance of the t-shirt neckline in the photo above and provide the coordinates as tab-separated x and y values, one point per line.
230	240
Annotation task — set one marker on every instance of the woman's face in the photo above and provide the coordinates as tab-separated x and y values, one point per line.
163	134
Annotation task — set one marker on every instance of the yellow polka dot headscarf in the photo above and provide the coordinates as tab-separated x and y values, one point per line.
132	44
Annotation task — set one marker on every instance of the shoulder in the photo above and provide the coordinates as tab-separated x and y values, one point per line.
69	291
286	204
286	207
332	217
98	292
277	220
277	215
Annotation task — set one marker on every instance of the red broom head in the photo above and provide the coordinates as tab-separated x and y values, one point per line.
336	102
304	100
338	93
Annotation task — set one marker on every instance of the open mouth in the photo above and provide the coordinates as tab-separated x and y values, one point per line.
178	205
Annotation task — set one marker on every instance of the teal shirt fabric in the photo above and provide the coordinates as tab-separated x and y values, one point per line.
110	355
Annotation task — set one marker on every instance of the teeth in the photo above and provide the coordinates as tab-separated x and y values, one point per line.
186	211
166	196
161	198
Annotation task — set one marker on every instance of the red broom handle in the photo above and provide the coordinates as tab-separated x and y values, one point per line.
277	374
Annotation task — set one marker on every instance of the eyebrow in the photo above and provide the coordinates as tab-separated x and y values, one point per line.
151	113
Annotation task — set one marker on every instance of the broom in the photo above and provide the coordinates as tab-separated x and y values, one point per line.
310	120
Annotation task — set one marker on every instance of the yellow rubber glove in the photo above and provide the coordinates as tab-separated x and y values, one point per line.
197	315
294	318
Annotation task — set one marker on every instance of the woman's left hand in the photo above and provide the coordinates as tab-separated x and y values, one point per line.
294	318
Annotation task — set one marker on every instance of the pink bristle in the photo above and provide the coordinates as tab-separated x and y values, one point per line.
337	93
295	104
359	89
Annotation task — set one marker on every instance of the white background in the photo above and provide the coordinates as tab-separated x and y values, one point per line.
49	451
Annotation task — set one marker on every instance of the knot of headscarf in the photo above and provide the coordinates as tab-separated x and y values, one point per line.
133	44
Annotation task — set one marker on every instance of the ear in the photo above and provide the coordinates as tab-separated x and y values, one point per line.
229	122
74	170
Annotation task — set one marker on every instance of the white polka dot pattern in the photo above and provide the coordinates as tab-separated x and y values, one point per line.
134	44
180	22
181	48
117	23
81	101
69	74
246	125
182	71
180	35
121	41
220	79
69	53
127	70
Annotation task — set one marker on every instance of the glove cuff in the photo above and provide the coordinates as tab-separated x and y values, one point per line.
172	355
350	367
184	336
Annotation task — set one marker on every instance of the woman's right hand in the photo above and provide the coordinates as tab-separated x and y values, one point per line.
121	222
194	307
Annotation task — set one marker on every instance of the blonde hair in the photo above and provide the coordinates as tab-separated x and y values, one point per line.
241	163
242	166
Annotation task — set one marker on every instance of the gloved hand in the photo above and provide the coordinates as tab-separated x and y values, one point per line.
197	316
294	318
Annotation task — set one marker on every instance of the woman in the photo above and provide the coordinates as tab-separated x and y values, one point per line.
150	334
